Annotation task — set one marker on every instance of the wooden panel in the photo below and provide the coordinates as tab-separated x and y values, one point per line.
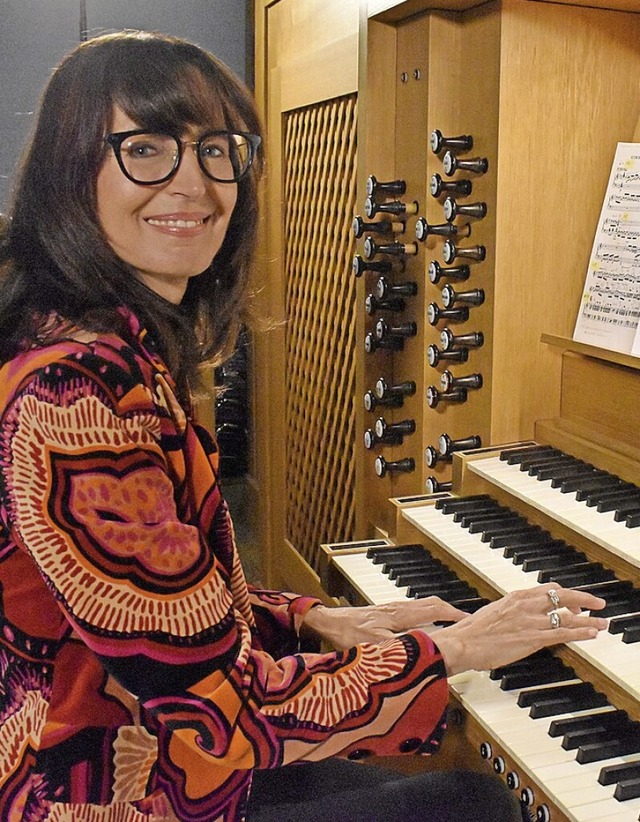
395	10
303	84
464	77
320	184
559	124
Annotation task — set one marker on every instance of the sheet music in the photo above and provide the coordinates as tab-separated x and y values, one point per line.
610	307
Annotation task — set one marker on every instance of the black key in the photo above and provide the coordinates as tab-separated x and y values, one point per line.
481	508
570	486
614	773
513	455
591	486
537	538
560	705
620	604
617	626
528	663
612	504
584	471
383	554
629	743
552	562
598	733
623	510
560	727
527	679
565	469
446	591
531	465
508	528
393	567
631	635
409	577
469	605
573	692
571	579
632	520
627	789
551	548
449	504
617	493
477	523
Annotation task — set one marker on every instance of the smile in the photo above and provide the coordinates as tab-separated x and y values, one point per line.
176	223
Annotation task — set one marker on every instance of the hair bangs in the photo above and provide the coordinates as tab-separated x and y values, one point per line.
169	98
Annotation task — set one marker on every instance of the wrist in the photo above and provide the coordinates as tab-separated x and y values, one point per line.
451	649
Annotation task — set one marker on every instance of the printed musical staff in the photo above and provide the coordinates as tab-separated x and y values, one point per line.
609	313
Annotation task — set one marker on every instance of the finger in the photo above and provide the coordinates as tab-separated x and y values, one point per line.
572	599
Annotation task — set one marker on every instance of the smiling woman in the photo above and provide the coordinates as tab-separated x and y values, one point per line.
141	677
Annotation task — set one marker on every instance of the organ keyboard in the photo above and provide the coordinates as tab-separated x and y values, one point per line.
564	730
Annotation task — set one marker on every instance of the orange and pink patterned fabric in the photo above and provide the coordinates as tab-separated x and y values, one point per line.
140	677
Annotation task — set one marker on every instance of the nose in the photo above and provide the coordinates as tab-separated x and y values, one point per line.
189	180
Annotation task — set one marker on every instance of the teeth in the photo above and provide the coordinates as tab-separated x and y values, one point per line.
176	223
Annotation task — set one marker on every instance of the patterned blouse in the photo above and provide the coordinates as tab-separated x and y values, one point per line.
141	679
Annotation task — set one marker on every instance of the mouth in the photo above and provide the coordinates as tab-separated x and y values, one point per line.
177	223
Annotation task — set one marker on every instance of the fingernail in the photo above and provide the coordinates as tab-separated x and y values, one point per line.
593	633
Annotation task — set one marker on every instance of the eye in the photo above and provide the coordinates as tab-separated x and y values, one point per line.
215	147
146	146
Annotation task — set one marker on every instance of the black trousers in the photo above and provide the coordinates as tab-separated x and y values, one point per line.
337	790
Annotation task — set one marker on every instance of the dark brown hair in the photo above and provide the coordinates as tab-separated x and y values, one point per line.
54	255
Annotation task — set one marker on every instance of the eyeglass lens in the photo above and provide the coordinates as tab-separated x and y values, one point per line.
151	157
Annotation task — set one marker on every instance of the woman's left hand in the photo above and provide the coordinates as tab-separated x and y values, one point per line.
345	627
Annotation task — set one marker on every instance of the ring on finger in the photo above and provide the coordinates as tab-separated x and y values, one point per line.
554	619
553	596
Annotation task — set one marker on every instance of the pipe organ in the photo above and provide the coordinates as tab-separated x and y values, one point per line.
485	137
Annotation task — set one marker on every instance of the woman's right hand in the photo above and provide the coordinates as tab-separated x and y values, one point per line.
518	625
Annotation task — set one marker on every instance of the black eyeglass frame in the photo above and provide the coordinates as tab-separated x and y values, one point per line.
116	139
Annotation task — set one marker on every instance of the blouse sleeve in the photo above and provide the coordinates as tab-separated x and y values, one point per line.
101	495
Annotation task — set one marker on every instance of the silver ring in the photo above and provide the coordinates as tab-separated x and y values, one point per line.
554	619
553	596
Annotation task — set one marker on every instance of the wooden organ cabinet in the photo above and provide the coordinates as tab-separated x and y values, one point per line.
512	110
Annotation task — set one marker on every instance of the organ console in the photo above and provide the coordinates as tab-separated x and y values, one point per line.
561	727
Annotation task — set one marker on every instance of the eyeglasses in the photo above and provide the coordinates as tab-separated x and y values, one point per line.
149	158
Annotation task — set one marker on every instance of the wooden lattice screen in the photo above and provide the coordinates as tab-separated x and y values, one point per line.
320	189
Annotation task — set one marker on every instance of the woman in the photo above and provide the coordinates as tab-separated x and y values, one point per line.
141	678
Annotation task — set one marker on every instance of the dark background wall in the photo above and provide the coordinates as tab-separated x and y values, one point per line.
35	34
